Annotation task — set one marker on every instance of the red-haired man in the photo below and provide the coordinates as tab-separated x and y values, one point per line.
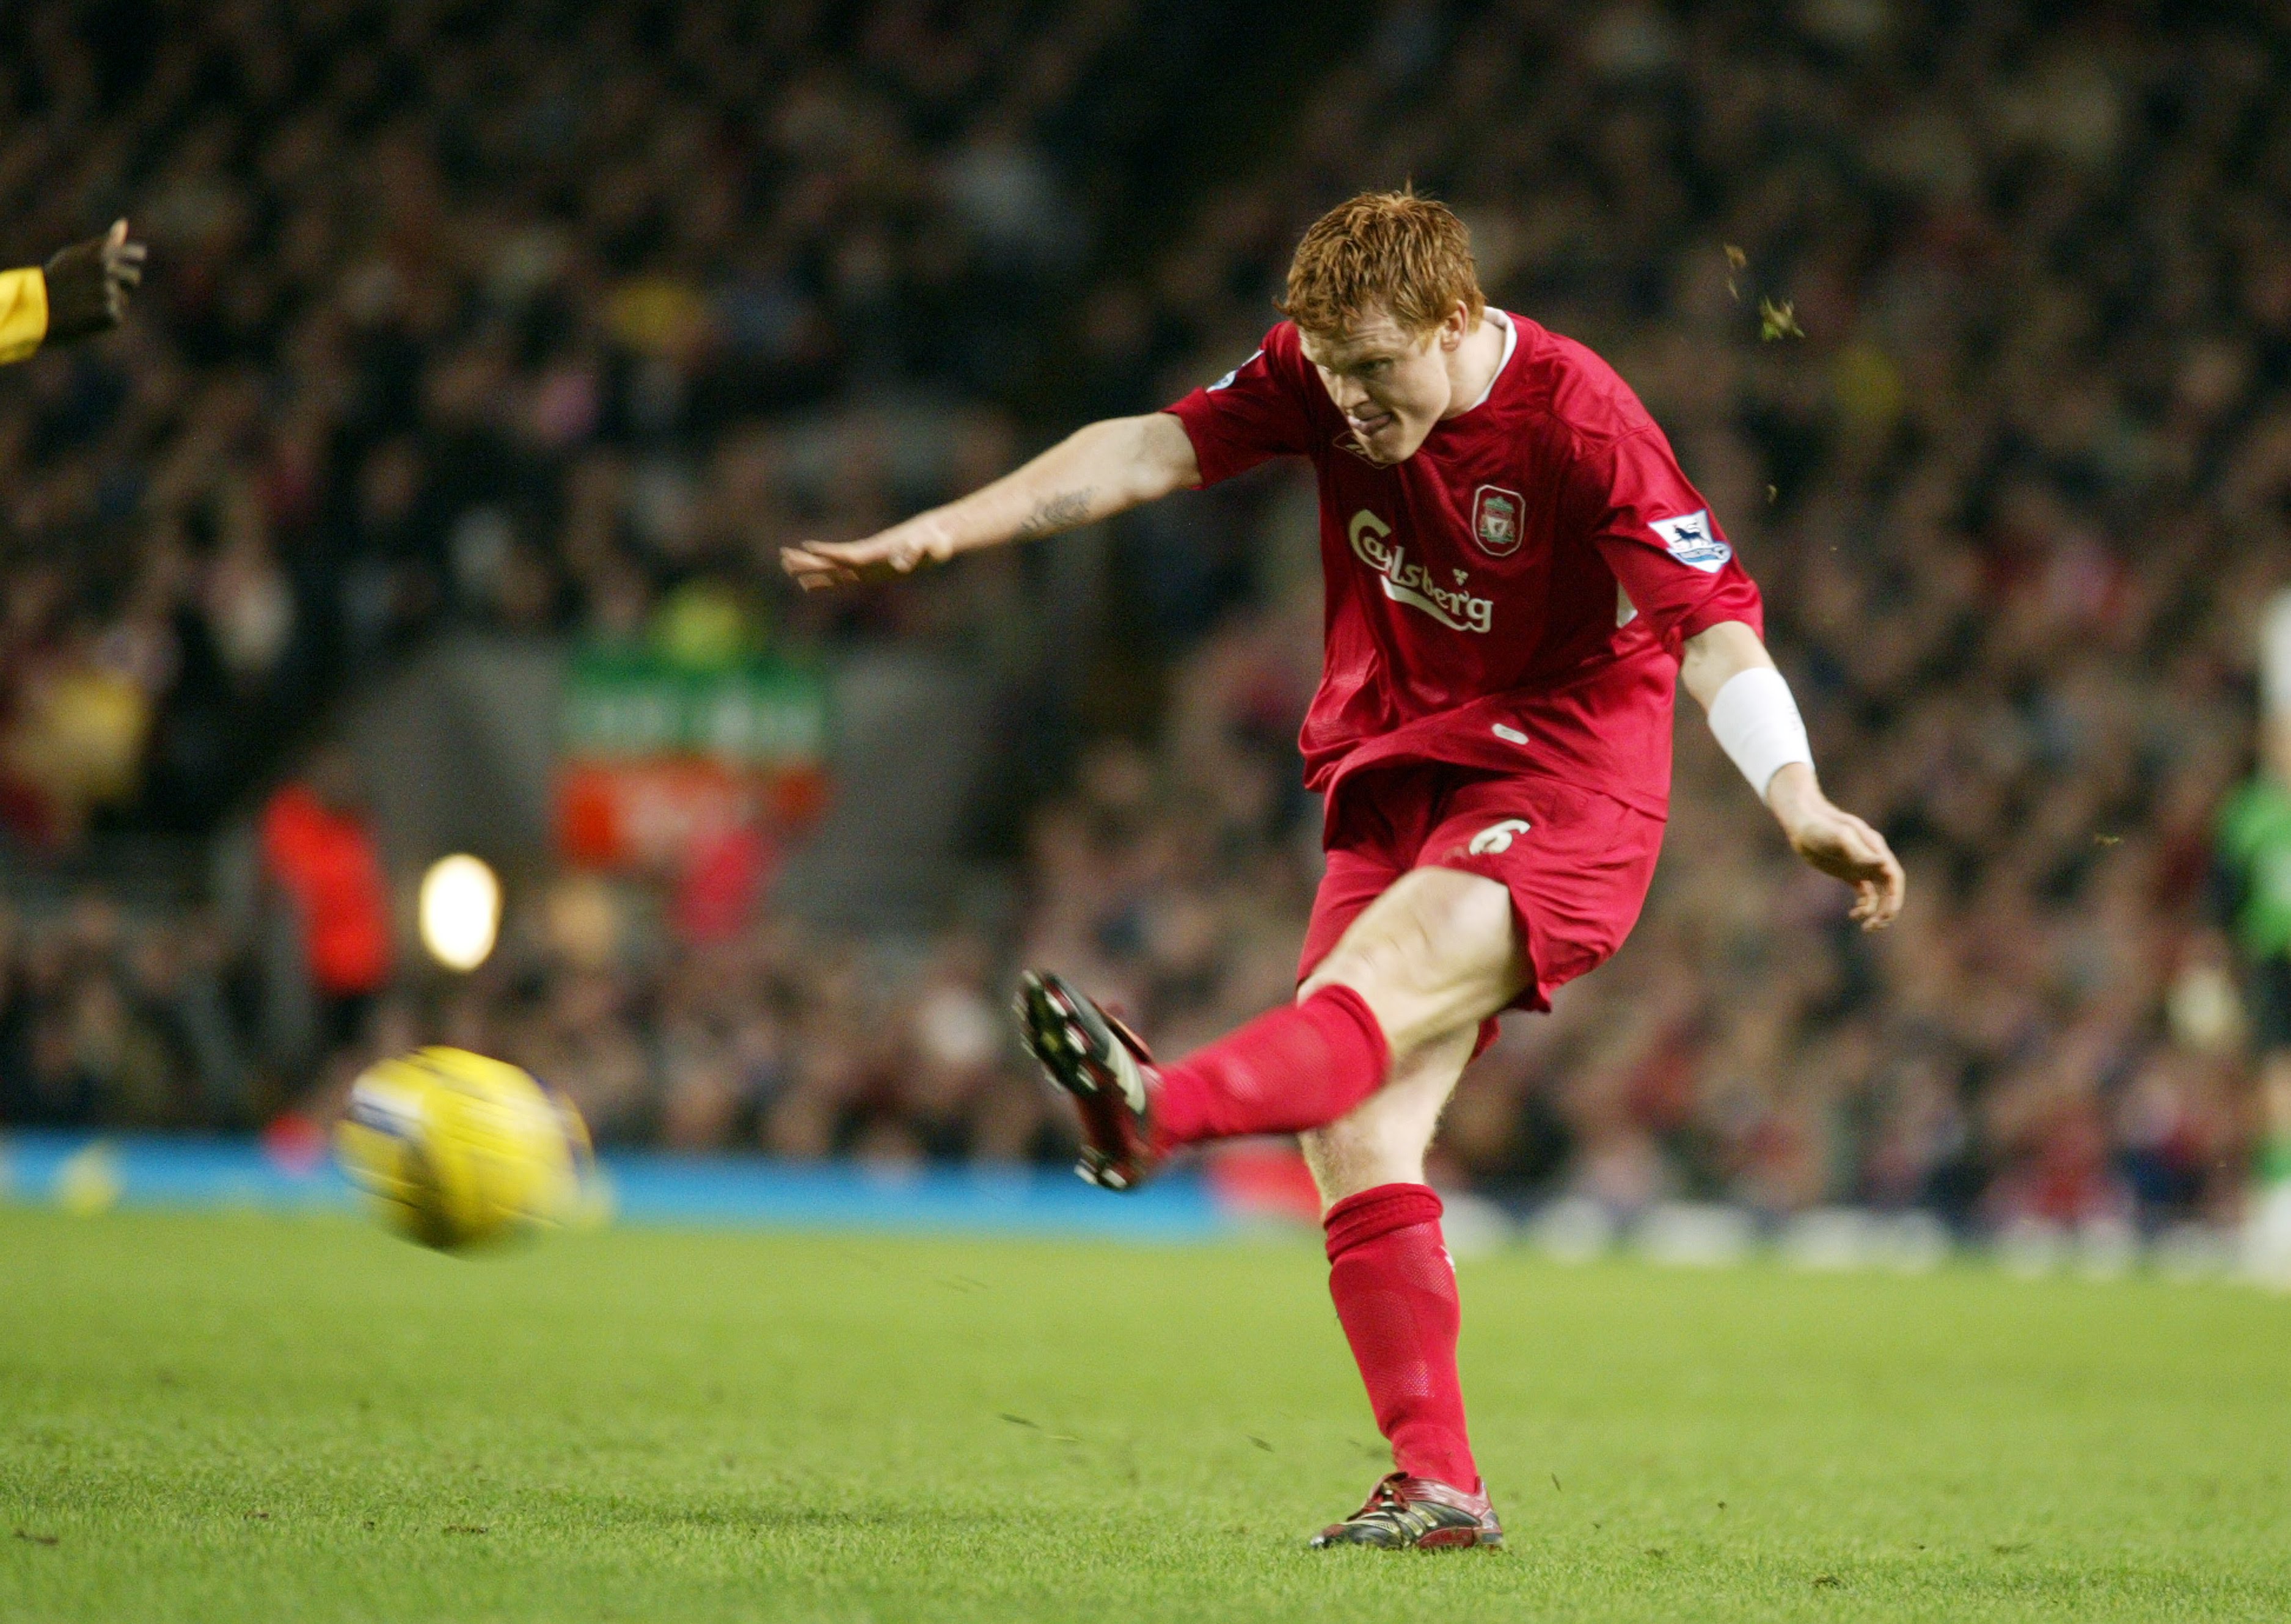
1519	576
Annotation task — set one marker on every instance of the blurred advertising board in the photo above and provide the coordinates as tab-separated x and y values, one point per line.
658	759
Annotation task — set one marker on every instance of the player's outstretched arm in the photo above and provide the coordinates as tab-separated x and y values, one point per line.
1727	669
1092	474
80	291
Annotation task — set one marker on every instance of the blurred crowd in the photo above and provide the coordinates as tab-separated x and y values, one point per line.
529	316
1972	321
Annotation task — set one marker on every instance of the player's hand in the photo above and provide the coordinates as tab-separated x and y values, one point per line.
88	283
885	555
1840	844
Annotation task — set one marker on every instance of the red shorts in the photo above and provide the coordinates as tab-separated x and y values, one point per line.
1577	863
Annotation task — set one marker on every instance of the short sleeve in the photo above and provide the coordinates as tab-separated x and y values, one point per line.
1253	413
1659	536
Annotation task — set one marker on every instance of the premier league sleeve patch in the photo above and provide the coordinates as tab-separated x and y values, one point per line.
1690	540
1226	382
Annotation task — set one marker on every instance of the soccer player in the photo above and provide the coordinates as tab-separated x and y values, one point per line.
80	291
1518	578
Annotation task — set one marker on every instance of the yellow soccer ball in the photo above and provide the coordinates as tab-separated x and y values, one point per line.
455	1150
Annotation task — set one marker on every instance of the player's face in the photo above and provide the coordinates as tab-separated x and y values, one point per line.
1392	385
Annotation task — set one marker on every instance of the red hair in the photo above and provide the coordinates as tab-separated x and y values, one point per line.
1391	253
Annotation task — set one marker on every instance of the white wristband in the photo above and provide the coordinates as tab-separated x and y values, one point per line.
1757	723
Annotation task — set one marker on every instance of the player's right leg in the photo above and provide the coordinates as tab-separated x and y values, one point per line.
1459	898
1437	952
1106	1068
1432	957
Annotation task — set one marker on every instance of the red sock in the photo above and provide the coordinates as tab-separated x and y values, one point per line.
1395	1293
1292	1068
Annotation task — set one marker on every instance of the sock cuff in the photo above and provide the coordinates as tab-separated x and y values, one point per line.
1342	1001
1372	1213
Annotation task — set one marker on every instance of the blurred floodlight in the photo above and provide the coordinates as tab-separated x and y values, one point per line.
461	911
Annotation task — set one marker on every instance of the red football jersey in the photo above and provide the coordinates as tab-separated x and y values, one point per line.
1512	597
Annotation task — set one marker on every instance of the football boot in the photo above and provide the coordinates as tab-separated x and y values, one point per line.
1417	1513
1105	1066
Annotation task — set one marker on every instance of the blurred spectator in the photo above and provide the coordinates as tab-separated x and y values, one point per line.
319	850
106	1018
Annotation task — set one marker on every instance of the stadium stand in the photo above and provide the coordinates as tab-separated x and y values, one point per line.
1974	321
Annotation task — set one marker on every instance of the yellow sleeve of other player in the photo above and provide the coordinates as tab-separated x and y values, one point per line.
23	312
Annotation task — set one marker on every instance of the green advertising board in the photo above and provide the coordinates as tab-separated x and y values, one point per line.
636	704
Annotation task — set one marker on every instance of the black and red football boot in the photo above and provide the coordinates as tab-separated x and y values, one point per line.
1105	1066
1408	1513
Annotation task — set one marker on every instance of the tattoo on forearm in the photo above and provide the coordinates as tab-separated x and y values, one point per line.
1054	513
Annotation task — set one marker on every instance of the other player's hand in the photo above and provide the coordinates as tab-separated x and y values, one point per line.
88	283
892	552
1840	844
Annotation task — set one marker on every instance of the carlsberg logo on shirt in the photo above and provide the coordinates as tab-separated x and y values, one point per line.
1412	583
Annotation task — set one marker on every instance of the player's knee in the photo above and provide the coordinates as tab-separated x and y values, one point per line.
1371	965
1363	1151
1437	939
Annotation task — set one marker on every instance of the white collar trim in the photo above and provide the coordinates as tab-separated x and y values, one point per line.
1511	342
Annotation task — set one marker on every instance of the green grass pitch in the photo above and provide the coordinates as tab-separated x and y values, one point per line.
234	1417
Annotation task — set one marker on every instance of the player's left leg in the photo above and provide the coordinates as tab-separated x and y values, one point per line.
1394	1290
1384	1139
1389	1272
1517	886
1432	956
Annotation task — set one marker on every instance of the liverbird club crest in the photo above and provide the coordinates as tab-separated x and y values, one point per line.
1495	520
